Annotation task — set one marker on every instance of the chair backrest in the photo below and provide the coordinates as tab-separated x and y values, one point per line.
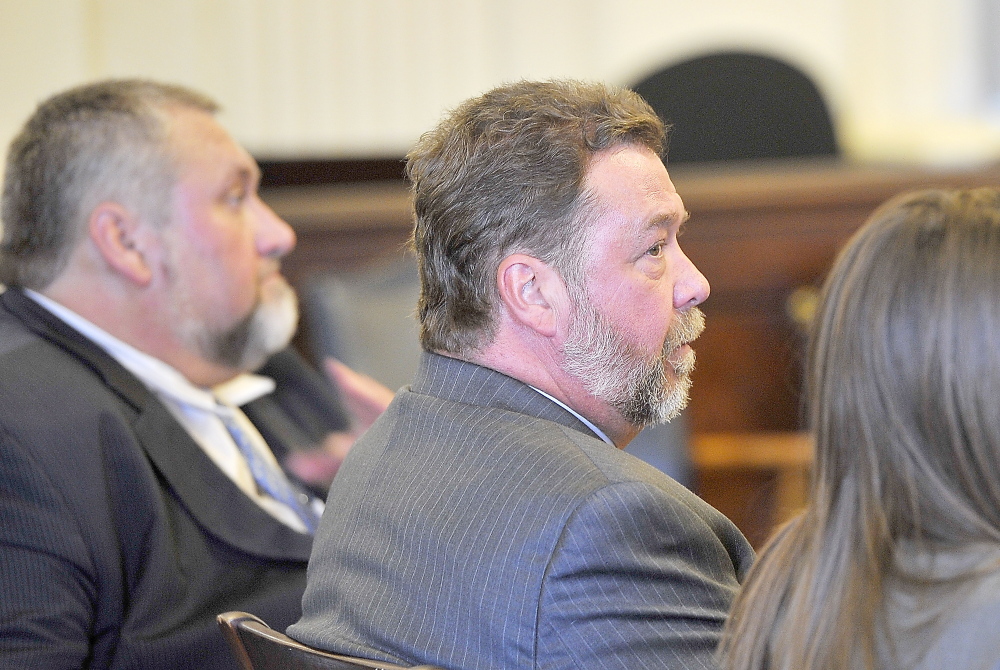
735	105
257	646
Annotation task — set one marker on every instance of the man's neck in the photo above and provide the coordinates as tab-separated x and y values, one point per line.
541	369
143	327
138	362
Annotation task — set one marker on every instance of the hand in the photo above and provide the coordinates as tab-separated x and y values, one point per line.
318	466
364	398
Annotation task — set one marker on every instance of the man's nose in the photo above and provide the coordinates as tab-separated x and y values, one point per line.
691	287
275	238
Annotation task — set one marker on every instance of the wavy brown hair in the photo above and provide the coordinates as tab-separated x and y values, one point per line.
503	173
903	382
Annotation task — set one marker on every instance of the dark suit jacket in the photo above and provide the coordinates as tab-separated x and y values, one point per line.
479	525
119	539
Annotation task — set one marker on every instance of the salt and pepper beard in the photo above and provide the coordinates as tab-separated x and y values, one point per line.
629	379
265	331
248	343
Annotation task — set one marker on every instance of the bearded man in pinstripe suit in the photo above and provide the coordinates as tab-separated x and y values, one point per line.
489	519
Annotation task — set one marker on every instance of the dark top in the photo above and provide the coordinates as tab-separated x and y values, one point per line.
120	540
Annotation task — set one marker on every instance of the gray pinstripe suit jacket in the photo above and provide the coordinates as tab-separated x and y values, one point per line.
479	525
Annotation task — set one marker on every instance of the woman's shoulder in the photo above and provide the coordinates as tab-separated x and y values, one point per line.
945	610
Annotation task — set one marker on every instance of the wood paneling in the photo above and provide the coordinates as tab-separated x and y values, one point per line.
757	231
757	479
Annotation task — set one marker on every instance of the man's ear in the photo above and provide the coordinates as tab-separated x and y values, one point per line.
118	234
533	293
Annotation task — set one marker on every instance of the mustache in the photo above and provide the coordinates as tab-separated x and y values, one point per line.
686	328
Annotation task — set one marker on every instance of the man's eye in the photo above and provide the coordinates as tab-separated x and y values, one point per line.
236	197
656	249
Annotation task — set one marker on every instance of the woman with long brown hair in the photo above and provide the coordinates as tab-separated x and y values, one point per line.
895	563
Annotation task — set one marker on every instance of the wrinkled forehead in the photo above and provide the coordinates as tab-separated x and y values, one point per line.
628	191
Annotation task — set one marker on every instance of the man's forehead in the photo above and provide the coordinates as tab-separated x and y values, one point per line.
632	183
633	166
198	140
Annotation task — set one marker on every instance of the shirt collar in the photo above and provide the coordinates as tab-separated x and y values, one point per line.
158	376
597	431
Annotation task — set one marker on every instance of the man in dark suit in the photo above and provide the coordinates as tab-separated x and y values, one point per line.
489	519
140	489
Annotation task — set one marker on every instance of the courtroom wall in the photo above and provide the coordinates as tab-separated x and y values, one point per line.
912	80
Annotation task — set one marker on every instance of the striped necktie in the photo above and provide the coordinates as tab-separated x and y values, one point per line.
270	479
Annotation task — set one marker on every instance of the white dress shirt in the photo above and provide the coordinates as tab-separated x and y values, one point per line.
195	408
597	431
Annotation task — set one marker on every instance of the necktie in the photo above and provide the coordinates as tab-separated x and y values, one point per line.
270	480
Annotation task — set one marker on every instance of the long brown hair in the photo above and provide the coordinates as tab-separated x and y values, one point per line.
903	382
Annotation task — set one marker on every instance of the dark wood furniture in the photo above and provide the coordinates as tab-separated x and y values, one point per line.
257	646
764	234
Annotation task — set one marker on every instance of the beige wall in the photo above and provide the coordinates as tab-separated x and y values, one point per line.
364	77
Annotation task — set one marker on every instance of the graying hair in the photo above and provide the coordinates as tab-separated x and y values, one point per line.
97	142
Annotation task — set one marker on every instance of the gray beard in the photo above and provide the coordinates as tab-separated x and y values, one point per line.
248	344
631	381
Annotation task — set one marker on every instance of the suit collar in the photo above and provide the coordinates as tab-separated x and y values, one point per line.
461	381
215	501
46	325
211	497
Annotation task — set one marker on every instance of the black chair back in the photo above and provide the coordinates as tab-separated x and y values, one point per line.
738	106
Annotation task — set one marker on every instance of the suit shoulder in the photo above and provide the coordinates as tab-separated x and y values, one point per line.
13	335
51	407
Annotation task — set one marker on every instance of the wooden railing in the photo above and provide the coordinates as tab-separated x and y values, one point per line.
759	480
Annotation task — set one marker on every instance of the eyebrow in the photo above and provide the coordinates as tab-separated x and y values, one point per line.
247	175
670	220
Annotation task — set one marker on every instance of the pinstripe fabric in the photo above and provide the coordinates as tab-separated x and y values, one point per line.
120	540
479	525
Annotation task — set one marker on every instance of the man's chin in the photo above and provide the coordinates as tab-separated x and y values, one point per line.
266	331
681	362
673	403
273	325
273	289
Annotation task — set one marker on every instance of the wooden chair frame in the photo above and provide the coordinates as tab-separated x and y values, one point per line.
257	646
